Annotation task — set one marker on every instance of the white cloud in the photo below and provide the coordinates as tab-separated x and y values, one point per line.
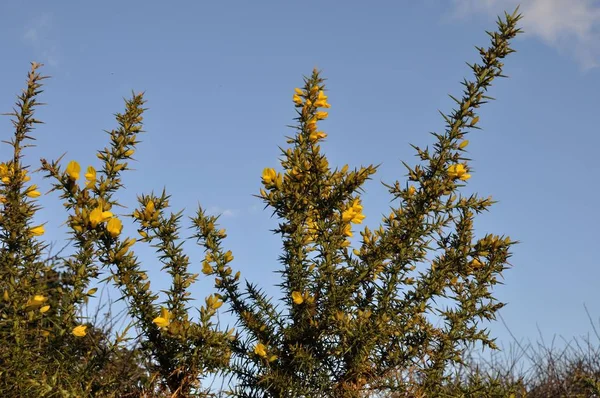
38	35
216	210
570	26
228	213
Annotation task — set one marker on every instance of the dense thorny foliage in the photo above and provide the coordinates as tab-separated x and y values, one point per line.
353	321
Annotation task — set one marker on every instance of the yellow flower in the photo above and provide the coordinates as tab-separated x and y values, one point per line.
79	331
321	101
161	322
206	268
228	257
164	319
213	302
411	190
37	231
354	213
348	230
347	215
114	227
149	210
129	152
90	176
32	193
45	333
298	91
297	100
37	300
321	115
260	350
269	175
297	298
316	136
73	169
358	217
458	171
463	144
44	308
476	263
97	216
311	125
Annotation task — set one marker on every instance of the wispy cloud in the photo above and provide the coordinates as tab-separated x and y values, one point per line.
216	210
39	35
570	26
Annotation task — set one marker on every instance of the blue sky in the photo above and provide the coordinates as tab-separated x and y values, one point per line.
219	77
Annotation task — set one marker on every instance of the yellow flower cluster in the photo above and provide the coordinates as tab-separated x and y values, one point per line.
271	178
90	176
299	298
310	101
114	225
147	217
8	170
213	302
32	192
4	173
221	267
98	215
353	213
458	171
261	350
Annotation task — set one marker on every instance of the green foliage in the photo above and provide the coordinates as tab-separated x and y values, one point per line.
40	300
353	322
350	317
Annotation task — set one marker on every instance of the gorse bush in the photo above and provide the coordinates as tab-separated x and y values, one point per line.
352	322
